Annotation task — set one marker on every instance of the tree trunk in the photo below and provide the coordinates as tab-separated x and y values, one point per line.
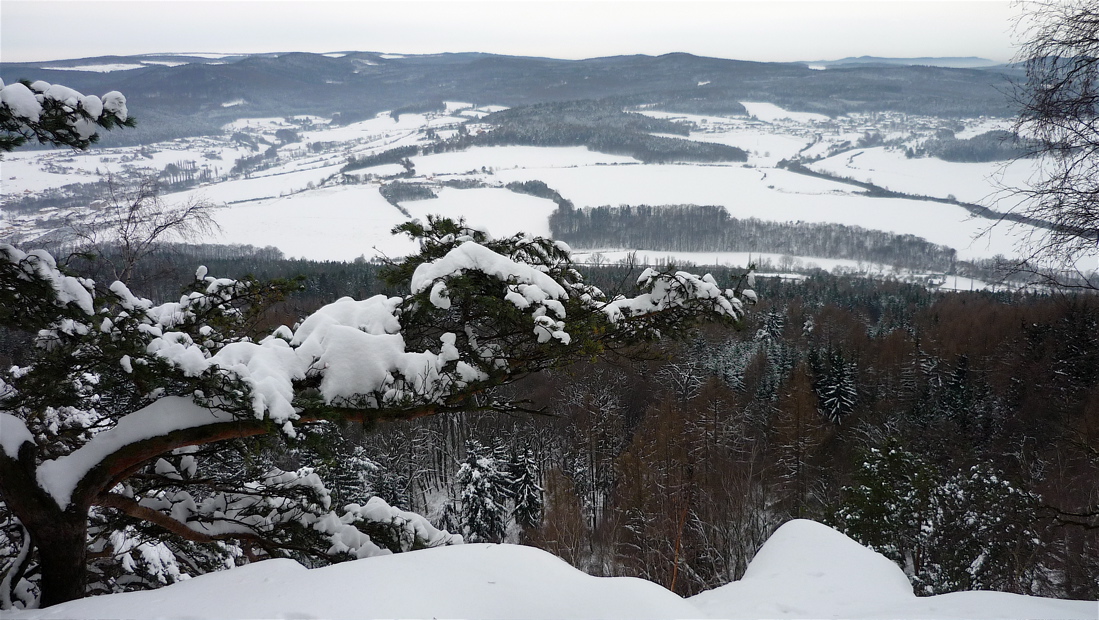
62	553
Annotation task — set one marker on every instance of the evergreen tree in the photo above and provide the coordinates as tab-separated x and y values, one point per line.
889	504
525	490
120	389
835	384
484	485
982	535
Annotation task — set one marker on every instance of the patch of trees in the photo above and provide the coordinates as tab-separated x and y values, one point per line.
253	163
398	191
540	190
988	146
423	107
600	126
937	428
398	155
703	228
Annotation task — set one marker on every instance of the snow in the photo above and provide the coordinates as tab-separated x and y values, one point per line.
21	101
381	170
775	195
39	264
513	157
930	176
60	476
339	224
808	570
165	63
805	570
471	255
501	212
13	434
834	576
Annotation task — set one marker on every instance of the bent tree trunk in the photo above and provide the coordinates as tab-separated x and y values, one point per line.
62	553
59	536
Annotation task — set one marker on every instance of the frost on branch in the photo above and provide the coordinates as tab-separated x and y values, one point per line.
57	115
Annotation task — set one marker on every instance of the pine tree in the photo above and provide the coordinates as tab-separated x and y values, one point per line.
889	504
835	384
526	493
484	493
480	313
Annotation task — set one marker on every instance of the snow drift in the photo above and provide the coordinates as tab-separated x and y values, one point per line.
805	570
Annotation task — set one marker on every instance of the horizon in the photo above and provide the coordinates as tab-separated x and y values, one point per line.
213	55
756	31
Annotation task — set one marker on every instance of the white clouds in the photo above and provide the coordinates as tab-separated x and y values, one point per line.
751	30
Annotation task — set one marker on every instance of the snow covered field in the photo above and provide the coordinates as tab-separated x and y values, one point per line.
969	182
338	224
296	200
806	570
499	211
772	194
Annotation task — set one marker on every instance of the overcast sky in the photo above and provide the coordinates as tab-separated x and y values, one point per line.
772	30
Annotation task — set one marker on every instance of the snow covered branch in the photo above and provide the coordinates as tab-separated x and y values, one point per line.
57	115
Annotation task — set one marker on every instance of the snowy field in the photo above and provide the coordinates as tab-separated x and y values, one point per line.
980	183
501	212
776	195
337	224
770	113
298	201
806	570
513	158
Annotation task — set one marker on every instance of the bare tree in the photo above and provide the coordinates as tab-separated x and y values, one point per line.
1060	109
134	221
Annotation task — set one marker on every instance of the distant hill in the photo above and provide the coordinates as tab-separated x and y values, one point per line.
177	95
966	62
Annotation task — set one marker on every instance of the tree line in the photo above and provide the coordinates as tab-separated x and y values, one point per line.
708	228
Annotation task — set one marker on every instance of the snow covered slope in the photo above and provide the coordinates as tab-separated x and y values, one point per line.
806	570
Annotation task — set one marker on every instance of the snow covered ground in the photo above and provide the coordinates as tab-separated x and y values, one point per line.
338	224
297	202
969	182
806	570
499	211
776	195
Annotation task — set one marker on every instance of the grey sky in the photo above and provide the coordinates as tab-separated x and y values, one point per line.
749	30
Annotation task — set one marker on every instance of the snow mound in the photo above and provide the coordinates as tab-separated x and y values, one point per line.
809	570
465	581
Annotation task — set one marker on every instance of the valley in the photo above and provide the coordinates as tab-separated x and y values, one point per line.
285	182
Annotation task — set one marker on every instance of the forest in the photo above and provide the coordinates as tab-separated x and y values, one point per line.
701	228
954	433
